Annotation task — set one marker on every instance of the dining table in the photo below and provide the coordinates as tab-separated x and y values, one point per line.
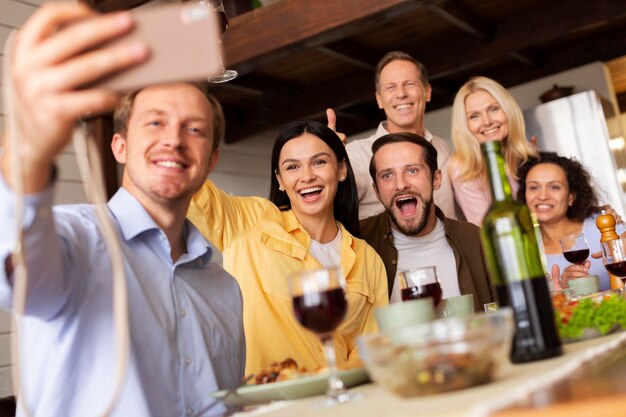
589	379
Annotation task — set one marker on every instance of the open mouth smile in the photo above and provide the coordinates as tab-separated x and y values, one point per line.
406	205
311	193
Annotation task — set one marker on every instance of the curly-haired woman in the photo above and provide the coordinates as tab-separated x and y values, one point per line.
559	191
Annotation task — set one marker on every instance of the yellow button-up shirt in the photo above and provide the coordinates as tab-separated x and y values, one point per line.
262	246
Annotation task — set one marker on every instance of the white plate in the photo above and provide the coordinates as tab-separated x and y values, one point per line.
307	386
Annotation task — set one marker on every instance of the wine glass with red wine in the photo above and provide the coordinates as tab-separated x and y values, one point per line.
614	257
218	7
320	305
575	248
420	283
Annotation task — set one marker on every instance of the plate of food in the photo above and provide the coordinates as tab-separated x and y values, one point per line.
581	318
285	381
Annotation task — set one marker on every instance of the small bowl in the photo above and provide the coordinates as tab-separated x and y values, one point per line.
443	355
585	285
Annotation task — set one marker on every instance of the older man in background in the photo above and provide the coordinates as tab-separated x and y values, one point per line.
402	91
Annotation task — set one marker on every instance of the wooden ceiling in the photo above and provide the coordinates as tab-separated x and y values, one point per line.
297	57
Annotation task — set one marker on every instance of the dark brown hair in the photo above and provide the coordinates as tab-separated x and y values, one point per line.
431	151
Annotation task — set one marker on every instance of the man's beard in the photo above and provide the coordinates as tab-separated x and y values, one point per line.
421	224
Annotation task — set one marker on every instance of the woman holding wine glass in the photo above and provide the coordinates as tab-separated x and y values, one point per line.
559	191
310	221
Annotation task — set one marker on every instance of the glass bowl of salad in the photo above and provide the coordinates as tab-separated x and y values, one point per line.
594	315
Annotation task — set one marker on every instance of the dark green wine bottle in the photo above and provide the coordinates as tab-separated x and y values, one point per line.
514	261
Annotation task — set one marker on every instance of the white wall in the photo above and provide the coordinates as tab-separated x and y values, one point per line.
244	167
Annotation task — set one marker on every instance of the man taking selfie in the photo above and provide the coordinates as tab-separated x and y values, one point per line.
185	312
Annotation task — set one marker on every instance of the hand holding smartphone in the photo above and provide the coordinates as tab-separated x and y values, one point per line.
184	42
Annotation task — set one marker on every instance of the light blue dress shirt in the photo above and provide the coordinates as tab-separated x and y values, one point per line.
185	317
592	234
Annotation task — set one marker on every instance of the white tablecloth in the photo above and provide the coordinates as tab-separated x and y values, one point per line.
515	382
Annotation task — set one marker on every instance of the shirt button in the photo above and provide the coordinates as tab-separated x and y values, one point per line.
187	360
183	313
189	411
393	261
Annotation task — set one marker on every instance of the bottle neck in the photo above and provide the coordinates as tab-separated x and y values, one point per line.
498	181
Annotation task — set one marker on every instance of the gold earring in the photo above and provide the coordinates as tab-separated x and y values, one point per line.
343	178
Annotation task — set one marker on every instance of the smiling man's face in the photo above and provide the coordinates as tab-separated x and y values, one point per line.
168	147
403	96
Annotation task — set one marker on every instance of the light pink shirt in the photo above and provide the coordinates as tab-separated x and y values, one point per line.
474	197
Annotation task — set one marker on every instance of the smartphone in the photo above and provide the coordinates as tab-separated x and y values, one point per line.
184	42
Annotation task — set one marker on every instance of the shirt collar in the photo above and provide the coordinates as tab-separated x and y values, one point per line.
382	130
133	220
130	214
290	221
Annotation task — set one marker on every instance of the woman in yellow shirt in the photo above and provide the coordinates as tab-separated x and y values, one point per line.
310	221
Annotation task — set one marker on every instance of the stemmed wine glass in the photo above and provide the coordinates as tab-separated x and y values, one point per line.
420	283
614	257
225	75
575	248
320	305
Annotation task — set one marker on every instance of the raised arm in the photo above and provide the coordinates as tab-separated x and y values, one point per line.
48	66
222	218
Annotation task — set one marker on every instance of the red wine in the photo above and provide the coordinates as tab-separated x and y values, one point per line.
618	269
432	290
321	312
534	338
577	256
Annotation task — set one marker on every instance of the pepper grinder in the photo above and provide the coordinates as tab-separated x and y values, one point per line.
605	222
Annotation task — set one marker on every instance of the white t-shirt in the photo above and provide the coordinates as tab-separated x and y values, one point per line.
328	254
430	250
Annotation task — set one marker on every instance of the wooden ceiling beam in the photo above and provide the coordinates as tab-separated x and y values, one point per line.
242	89
522	31
355	53
349	90
454	13
273	31
277	109
342	56
604	46
526	58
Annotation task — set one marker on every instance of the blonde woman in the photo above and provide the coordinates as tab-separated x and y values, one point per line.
484	111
